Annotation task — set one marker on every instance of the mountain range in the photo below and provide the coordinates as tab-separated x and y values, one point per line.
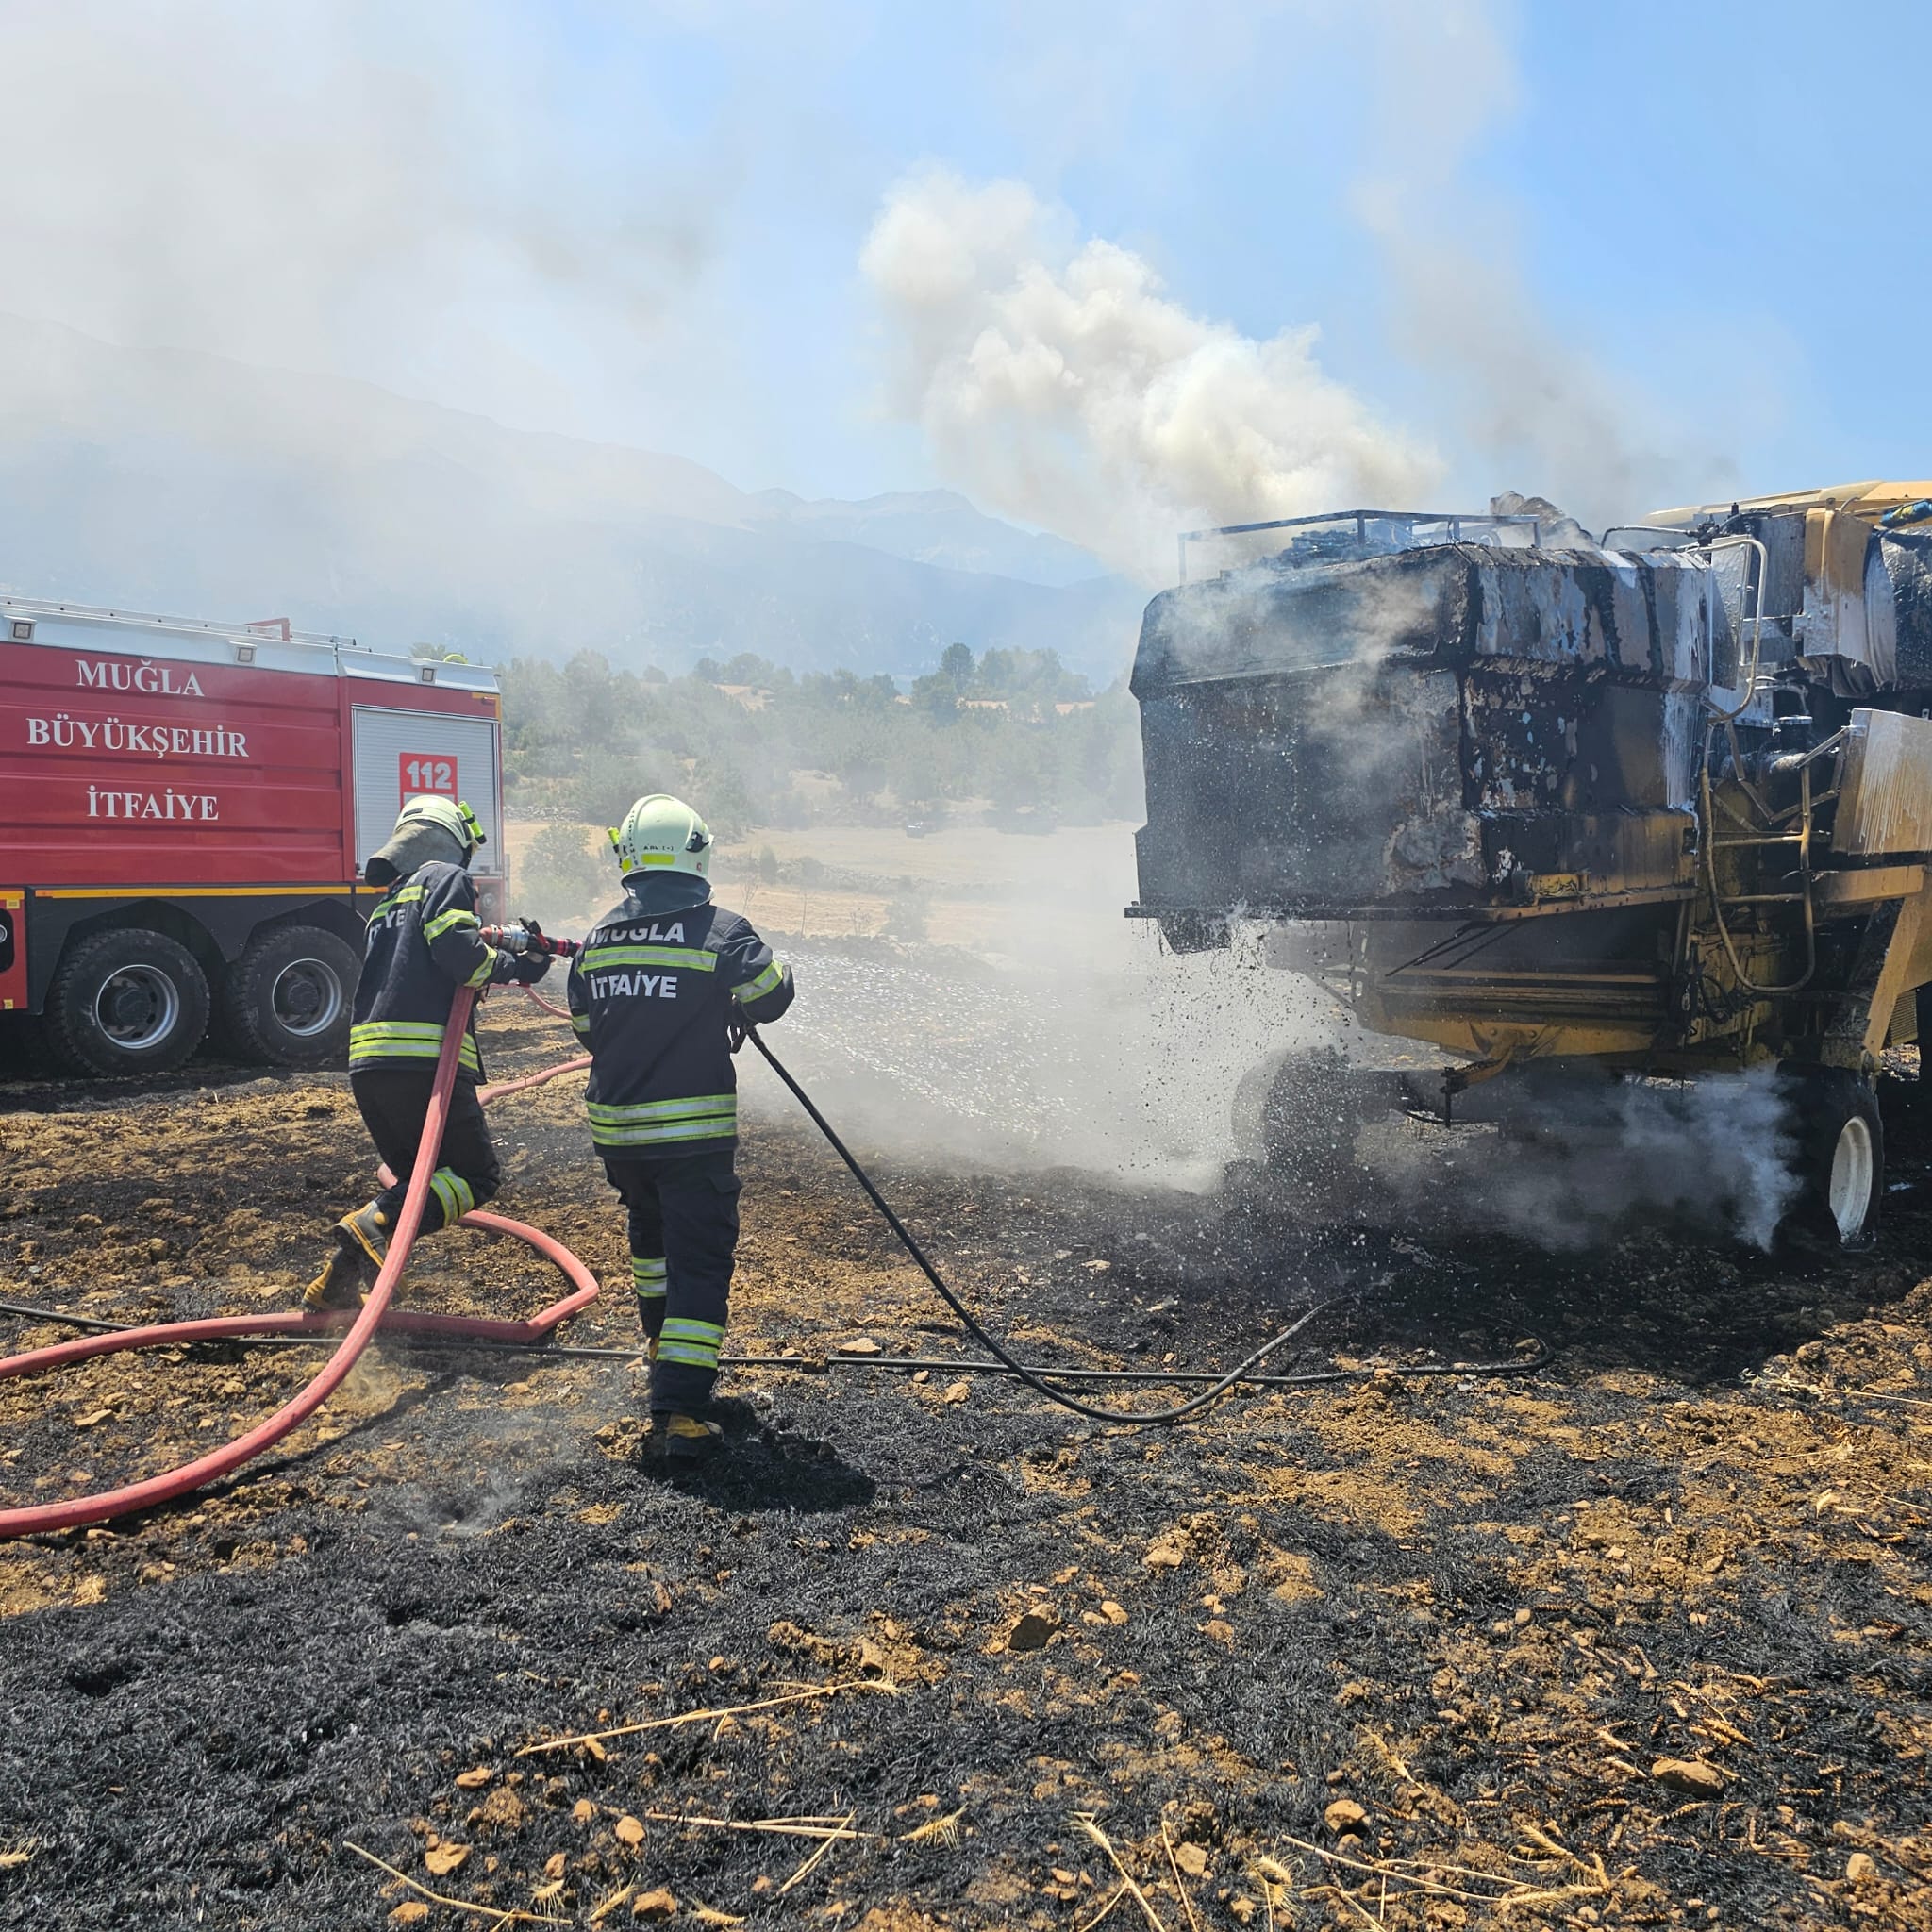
176	481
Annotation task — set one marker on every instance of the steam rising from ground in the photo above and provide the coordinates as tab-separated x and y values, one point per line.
1085	1044
1714	1156
1059	383
1131	1073
1071	1038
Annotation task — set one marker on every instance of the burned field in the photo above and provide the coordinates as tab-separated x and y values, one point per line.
1641	1637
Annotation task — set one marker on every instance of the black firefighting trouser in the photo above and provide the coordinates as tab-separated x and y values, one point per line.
683	1243
393	1101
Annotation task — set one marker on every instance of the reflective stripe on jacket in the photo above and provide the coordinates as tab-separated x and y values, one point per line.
653	994
423	941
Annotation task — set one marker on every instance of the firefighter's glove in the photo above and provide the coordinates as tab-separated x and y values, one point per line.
518	968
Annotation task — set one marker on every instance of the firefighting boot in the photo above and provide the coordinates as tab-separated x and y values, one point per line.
367	1229
683	1440
345	1275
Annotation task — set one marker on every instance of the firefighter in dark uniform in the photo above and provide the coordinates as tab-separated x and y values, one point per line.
423	941
660	989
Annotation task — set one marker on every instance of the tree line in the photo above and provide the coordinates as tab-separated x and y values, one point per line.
754	745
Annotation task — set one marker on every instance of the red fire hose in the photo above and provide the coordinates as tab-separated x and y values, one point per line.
77	1511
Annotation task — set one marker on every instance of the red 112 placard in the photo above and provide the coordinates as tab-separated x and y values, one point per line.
422	776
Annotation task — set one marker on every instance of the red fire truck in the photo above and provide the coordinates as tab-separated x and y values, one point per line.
183	810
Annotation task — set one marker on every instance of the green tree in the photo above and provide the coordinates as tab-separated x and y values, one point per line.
558	877
583	738
936	698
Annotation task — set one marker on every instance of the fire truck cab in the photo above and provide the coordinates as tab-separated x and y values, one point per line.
184	809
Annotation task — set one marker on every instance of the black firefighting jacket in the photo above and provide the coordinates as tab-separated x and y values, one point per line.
423	941
654	994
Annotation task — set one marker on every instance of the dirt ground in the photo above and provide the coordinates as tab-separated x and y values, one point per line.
1641	1637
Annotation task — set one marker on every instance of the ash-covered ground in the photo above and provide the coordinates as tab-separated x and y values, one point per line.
1479	1611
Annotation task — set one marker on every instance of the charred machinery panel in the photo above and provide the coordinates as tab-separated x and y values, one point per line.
1885	804
1455	723
1851	603
1907	561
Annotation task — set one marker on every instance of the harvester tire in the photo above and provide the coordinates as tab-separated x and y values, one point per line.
1840	1155
1297	1117
287	999
126	1002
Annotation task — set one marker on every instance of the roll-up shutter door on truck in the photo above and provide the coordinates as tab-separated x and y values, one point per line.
399	755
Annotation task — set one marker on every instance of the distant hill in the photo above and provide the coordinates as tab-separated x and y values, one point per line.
175	481
930	527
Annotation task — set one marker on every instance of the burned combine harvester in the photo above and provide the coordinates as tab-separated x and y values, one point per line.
1659	805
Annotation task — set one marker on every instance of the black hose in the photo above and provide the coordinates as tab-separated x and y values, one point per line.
1132	1418
92	1322
1308	1378
818	1365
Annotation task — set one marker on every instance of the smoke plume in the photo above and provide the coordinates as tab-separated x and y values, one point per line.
1056	382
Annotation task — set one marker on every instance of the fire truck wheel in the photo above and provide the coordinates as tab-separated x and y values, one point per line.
1840	1155
127	1001
286	1000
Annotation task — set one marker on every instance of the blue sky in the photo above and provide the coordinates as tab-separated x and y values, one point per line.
1716	205
1613	248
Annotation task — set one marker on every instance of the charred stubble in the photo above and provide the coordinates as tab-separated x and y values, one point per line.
1477	1609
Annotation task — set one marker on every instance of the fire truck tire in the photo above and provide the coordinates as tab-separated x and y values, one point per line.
1840	1155
287	999
127	1001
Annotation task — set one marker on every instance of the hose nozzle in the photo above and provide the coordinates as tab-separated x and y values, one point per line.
526	936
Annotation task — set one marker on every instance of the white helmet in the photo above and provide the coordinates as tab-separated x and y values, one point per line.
427	828
662	834
450	815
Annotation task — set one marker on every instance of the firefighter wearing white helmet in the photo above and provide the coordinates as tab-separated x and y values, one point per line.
662	834
660	992
424	941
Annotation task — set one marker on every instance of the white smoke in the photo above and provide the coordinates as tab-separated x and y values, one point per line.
1057	383
1579	1165
1103	1053
335	185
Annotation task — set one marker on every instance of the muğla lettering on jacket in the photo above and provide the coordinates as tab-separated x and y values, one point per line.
663	932
655	996
642	986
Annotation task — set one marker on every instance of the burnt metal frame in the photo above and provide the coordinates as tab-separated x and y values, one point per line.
1457	520
1330	913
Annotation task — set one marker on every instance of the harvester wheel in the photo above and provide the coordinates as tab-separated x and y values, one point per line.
1840	1152
127	1001
287	999
1297	1117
